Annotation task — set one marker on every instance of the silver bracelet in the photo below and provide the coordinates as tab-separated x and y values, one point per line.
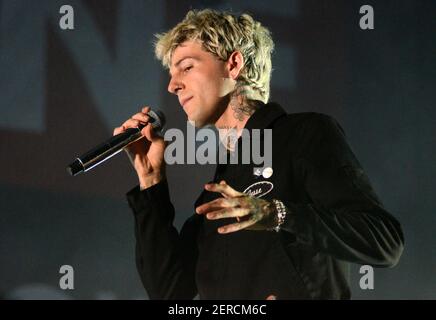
281	214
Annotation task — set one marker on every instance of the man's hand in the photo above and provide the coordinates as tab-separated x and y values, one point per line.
251	213
147	154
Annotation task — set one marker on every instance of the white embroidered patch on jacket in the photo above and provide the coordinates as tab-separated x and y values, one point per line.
259	189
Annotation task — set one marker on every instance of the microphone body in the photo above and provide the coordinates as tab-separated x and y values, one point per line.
114	145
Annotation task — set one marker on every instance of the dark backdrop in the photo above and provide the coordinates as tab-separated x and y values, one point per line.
63	91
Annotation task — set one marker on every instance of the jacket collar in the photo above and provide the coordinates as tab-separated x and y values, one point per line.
265	116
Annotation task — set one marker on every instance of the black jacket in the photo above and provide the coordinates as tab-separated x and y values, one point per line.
334	218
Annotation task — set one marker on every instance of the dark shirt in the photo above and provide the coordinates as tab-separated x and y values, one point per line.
334	218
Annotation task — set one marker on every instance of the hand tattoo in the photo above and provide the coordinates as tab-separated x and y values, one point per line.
261	211
251	213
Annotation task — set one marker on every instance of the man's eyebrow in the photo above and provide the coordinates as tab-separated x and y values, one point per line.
180	61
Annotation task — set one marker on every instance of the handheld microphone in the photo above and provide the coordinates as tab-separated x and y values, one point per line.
114	145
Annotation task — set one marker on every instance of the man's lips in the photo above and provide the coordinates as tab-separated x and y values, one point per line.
183	101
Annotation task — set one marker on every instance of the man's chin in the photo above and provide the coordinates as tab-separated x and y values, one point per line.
197	123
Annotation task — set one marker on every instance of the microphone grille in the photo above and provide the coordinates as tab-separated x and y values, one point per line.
157	120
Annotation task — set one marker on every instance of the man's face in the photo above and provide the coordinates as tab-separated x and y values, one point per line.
201	81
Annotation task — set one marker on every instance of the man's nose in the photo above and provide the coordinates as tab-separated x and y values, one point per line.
175	85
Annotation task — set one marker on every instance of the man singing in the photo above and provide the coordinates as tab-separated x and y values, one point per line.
313	212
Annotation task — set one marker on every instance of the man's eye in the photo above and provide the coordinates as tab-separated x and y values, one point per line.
187	68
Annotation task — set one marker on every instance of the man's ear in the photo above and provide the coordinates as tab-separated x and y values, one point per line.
235	64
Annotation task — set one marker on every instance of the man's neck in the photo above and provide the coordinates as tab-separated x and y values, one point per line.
243	103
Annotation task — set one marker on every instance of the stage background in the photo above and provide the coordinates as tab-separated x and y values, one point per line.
63	91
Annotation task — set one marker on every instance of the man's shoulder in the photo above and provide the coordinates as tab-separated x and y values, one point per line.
308	116
308	122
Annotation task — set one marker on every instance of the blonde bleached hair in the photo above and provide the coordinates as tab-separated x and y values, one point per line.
222	33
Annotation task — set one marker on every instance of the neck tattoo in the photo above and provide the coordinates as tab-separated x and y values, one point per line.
241	105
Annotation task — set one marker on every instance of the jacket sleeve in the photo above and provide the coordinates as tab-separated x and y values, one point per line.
165	259
343	217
